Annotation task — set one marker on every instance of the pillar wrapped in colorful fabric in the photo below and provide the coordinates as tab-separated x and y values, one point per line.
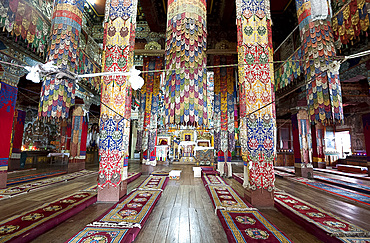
186	60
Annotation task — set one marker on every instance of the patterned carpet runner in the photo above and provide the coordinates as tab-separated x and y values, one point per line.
23	179
123	222
24	188
335	172
320	223
249	226
28	225
131	176
349	185
239	177
282	174
241	222
335	190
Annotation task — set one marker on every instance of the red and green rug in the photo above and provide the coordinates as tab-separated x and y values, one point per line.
323	224
29	225
249	226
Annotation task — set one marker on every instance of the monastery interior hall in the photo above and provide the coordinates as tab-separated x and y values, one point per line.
195	121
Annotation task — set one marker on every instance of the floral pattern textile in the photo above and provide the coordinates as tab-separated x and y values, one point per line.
257	128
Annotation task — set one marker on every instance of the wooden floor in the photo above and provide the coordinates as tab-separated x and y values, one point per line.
184	213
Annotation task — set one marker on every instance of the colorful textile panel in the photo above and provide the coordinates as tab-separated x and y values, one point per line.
290	70
350	22
21	226
224	197
154	183
256	80
224	82
115	112
87	65
58	95
18	129
186	60
205	157
213	180
8	97
149	103
26	21
102	234
135	208
249	226
326	221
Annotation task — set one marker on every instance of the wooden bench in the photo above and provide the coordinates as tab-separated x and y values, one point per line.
352	168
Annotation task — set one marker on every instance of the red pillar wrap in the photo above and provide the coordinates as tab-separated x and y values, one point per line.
8	96
18	131
296	145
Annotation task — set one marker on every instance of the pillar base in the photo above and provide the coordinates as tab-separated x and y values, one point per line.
76	165
3	179
259	197
112	194
303	171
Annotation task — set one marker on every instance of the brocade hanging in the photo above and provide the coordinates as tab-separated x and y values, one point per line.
115	112
150	100
58	95
186	60
224	82
323	89
257	128
350	22
87	65
24	20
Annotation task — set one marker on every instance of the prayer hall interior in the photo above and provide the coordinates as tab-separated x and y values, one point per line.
184	121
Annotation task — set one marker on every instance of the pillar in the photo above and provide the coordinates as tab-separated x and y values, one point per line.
366	124
315	153
8	97
318	157
58	93
18	127
257	107
149	106
324	98
78	140
320	137
305	168
296	145
224	82
185	96
115	110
